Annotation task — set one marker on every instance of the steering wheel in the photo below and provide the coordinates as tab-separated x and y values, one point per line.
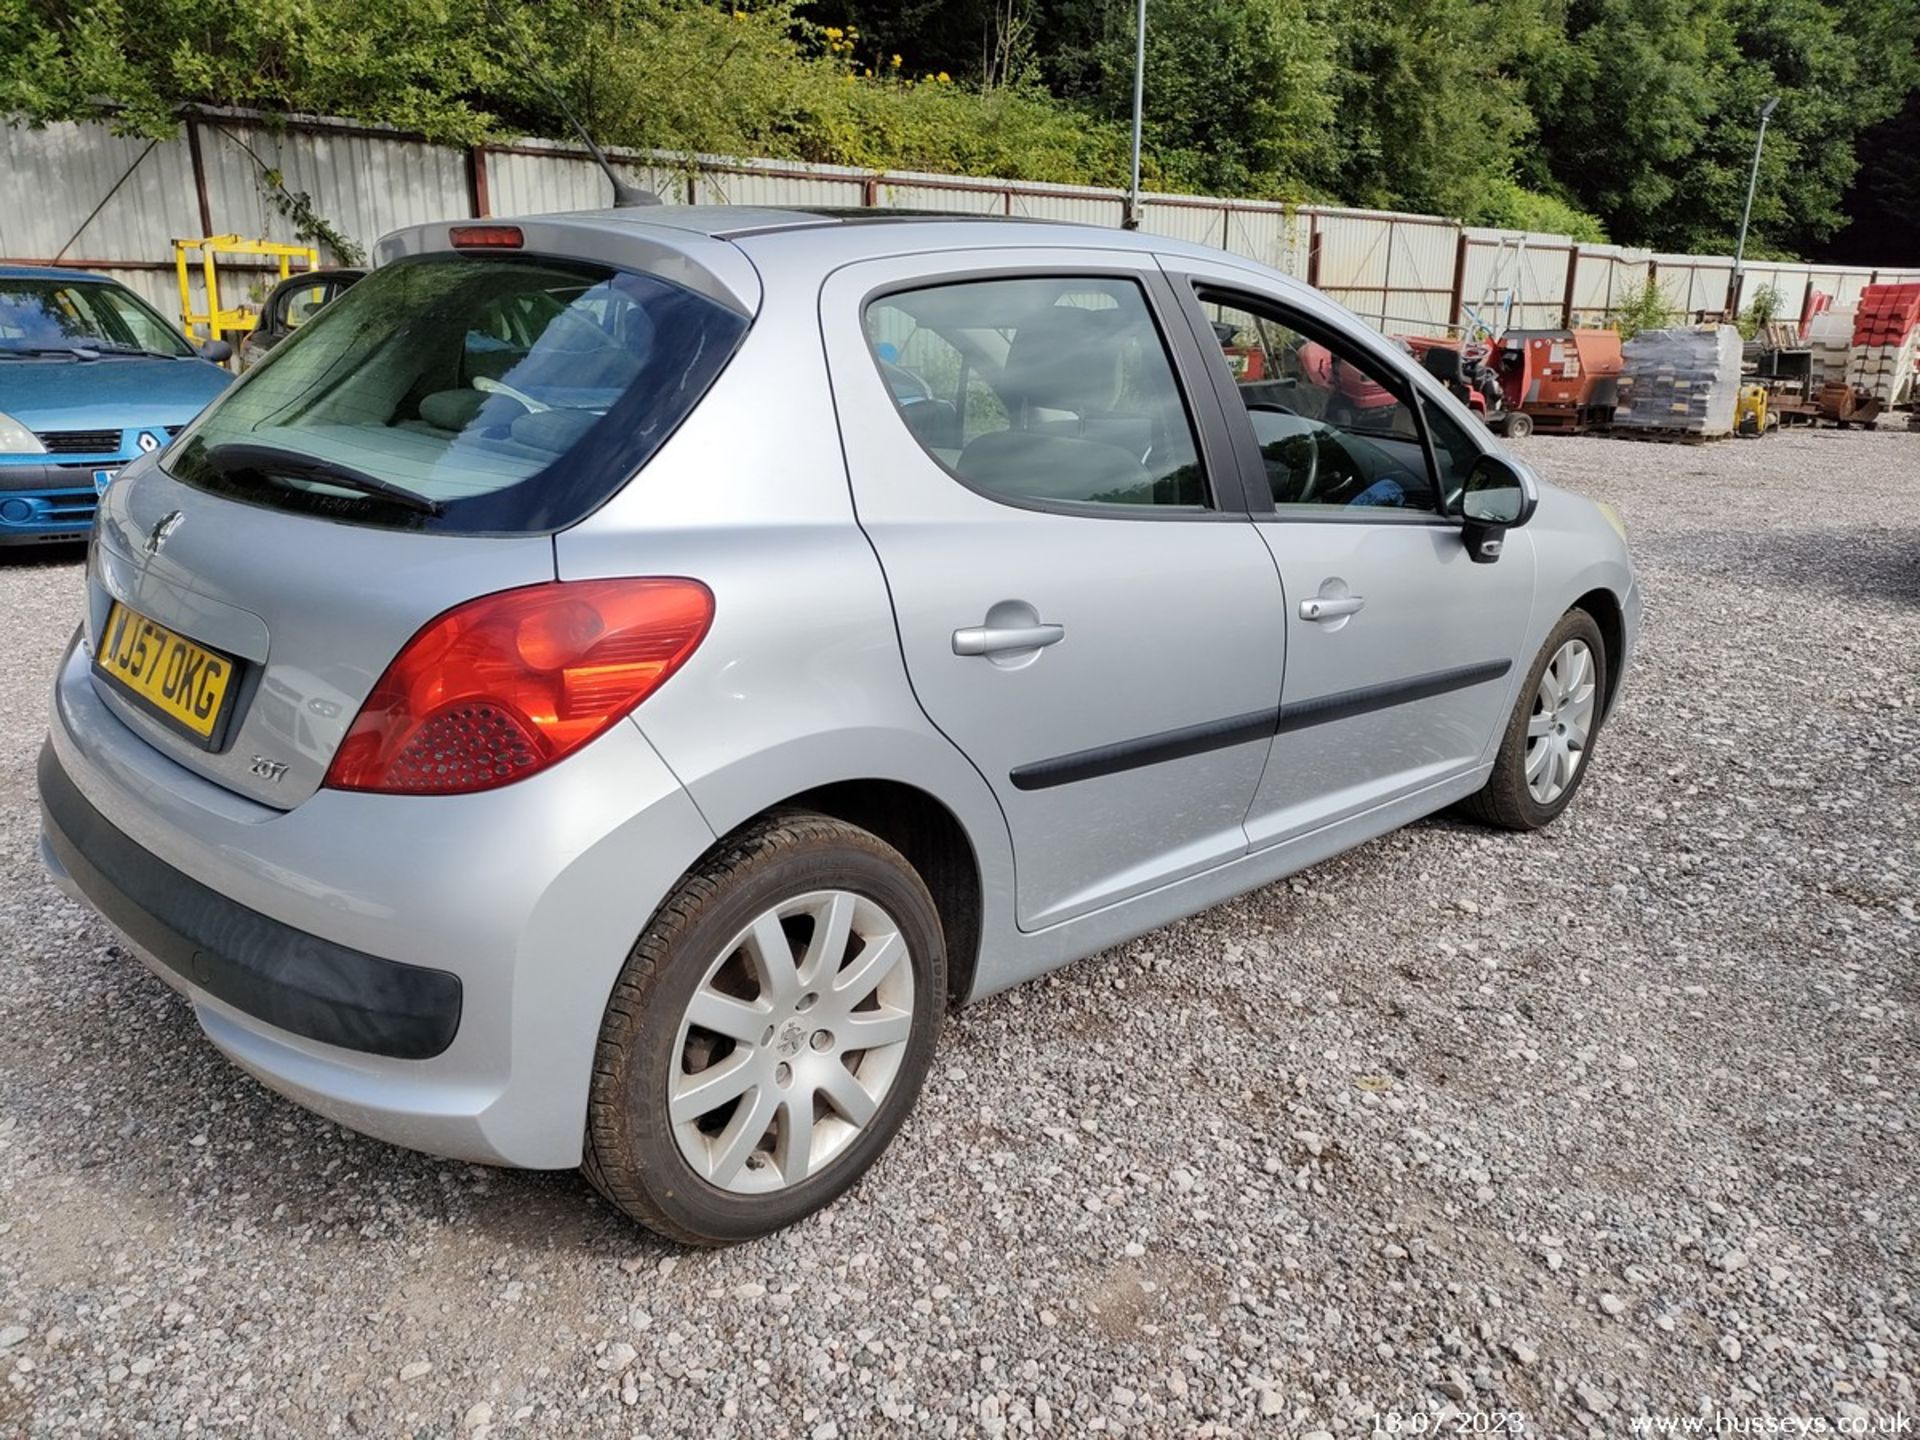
487	385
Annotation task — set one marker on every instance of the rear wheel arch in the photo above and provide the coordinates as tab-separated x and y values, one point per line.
924	830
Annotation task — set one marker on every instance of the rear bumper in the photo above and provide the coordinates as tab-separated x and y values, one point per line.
268	970
429	971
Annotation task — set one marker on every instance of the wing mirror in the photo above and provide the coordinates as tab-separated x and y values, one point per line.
1498	496
218	351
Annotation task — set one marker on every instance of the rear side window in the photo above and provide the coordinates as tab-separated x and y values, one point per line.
1058	392
475	394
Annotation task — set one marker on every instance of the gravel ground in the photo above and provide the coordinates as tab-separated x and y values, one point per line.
1616	1120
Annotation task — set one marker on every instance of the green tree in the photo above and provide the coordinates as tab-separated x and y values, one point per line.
1633	118
1239	93
1649	107
1624	103
1429	115
1883	204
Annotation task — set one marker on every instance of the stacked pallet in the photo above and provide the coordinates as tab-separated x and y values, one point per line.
1680	382
1886	337
1830	341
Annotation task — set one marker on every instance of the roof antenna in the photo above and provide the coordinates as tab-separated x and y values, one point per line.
625	195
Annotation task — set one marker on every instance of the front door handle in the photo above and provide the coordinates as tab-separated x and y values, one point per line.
998	639
1319	608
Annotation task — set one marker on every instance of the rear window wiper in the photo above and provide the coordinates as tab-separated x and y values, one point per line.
273	460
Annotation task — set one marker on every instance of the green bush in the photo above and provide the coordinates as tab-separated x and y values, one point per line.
1510	206
1643	309
1764	306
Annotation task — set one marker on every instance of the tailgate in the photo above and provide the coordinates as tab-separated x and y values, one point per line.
310	611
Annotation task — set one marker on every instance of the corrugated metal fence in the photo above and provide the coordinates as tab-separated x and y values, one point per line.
86	197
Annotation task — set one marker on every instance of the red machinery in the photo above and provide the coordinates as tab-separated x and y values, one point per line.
1354	395
1551	380
1462	366
1564	380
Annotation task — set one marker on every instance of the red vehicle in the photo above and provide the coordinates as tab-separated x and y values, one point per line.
1355	396
1464	368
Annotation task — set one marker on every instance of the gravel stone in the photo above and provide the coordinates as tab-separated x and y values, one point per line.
1109	1176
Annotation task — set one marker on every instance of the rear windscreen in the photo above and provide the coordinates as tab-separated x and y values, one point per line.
475	394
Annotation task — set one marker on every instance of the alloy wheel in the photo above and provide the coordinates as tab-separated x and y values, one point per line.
791	1042
1561	722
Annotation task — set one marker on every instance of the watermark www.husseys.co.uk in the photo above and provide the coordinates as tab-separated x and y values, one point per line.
1897	1423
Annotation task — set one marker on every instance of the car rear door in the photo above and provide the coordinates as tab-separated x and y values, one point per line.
1401	651
1083	605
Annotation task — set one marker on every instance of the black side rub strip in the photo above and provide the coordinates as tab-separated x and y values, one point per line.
286	977
1240	729
1368	698
1148	750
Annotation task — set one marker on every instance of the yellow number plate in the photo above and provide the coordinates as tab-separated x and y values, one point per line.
170	675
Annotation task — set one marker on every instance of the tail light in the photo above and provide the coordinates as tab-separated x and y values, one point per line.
499	688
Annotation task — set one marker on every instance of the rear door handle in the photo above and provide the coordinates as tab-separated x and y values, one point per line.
998	639
1319	609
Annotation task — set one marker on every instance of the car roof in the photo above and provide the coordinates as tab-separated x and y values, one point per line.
706	247
731	222
815	226
53	272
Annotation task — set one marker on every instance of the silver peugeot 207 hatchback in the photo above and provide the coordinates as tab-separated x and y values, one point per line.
598	693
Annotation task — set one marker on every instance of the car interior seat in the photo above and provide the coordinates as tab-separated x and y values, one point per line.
1064	385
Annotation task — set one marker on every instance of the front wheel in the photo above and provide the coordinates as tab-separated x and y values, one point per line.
769	1033
1548	744
1519	425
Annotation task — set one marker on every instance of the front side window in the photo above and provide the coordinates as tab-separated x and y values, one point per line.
467	393
1331	431
56	317
1056	391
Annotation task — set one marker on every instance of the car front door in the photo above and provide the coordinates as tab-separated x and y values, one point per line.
1084	607
1402	652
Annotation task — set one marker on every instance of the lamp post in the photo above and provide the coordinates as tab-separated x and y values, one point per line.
1131	221
1746	213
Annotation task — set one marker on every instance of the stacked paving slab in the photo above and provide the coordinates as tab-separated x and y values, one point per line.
1830	344
1886	339
1681	381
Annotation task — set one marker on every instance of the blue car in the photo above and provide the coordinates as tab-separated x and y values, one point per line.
91	377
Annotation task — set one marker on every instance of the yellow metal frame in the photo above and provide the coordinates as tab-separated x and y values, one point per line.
214	318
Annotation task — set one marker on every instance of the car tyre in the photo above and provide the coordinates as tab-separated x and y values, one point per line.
1553	719
840	901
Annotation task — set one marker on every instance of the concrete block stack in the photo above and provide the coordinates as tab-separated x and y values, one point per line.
1830	344
1886	340
1681	381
